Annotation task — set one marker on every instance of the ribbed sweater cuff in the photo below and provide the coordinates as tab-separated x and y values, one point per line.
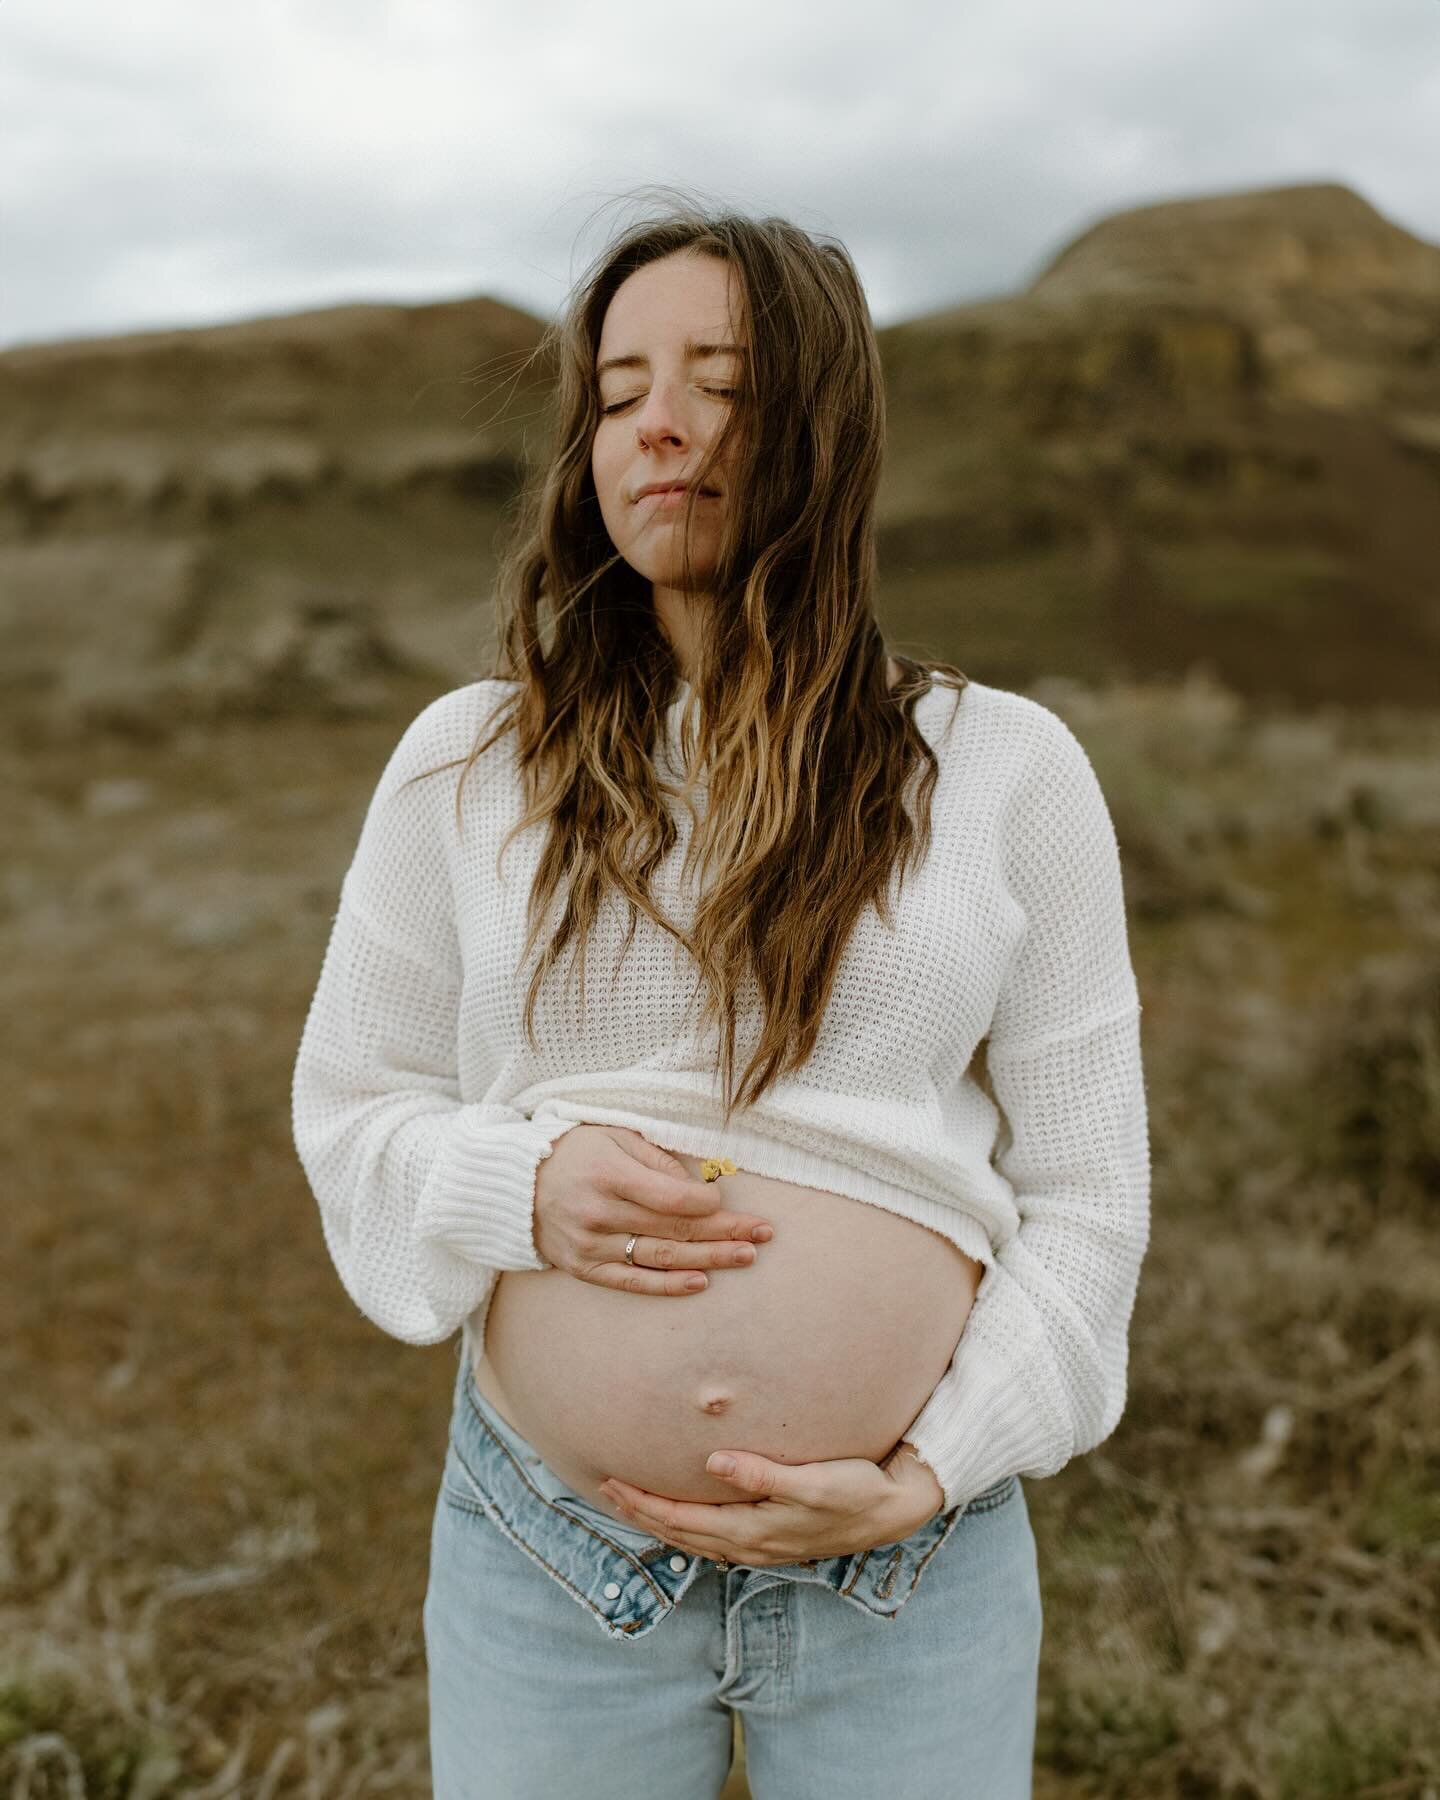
479	1203
976	1428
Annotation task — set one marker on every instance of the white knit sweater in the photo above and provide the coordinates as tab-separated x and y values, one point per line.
420	1112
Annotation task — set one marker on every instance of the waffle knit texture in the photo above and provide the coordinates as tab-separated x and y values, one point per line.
421	1112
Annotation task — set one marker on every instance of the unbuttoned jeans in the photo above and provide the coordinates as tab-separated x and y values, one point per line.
549	1675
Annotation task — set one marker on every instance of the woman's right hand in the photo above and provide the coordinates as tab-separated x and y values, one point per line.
602	1183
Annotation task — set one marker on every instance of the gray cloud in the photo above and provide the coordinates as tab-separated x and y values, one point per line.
166	164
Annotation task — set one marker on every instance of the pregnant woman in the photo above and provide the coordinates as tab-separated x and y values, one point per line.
730	1029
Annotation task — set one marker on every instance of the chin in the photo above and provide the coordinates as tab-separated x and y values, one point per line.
663	573
663	565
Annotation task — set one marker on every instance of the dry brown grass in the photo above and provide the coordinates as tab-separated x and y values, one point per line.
217	1478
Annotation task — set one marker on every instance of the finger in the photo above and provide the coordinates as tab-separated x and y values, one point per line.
761	1478
728	1527
627	1212
672	1192
639	1148
838	1486
665	1253
626	1278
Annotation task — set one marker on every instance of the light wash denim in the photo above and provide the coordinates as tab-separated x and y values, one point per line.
549	1678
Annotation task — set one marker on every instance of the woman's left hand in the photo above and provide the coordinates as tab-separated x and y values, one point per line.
789	1512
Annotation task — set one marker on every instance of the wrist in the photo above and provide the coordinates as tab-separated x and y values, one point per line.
918	1486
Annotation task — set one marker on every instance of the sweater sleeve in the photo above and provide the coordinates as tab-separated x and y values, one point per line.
1039	1374
423	1197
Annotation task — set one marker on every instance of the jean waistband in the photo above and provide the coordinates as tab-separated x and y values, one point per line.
631	1582
551	1484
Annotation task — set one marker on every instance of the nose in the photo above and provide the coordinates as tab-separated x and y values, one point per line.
661	418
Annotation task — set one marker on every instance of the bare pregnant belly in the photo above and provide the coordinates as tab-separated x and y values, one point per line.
827	1346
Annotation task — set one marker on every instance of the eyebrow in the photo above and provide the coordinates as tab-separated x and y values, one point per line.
693	352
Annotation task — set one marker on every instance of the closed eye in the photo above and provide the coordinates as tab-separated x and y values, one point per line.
719	393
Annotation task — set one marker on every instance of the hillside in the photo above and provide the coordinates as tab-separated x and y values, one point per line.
1208	433
267	516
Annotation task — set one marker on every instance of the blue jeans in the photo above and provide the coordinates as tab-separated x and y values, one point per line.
549	1676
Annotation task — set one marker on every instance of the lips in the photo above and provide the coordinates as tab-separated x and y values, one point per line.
660	489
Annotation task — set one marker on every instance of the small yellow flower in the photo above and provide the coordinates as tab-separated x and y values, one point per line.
714	1167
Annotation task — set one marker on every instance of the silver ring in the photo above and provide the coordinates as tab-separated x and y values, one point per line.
630	1249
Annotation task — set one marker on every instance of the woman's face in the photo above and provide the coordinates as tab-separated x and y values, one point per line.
668	363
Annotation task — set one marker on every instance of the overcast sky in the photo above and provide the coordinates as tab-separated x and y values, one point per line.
167	162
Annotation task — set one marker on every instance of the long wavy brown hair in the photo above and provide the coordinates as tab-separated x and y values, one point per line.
806	749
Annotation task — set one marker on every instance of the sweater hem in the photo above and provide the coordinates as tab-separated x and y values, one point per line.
756	1155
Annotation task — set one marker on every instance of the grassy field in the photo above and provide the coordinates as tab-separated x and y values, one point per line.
217	1477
